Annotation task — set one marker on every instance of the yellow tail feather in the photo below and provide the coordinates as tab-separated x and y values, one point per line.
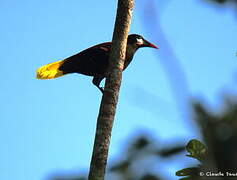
50	71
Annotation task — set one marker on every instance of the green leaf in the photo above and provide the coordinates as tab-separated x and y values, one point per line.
197	150
187	172
186	178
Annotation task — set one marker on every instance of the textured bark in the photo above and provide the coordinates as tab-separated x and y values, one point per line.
112	85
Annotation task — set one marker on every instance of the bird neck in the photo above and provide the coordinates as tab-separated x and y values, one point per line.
130	51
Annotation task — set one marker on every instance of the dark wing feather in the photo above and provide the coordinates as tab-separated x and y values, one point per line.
92	61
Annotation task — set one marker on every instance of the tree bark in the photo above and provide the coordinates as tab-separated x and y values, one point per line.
111	92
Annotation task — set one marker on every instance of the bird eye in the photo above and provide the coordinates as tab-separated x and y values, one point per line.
139	41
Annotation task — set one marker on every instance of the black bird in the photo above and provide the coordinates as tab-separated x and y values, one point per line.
93	61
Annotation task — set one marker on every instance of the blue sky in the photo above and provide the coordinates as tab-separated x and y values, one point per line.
49	125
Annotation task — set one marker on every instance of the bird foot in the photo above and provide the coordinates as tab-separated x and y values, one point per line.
101	89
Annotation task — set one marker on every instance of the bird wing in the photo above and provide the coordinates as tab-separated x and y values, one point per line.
92	61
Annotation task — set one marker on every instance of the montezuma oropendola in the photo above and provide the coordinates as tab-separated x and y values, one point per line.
93	61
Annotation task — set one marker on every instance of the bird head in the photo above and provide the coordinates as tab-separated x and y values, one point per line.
137	41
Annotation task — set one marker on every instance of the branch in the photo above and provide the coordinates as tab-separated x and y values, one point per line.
112	85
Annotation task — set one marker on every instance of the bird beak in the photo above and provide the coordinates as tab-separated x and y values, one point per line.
148	44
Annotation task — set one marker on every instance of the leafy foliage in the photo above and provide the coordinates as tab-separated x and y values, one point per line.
219	132
198	151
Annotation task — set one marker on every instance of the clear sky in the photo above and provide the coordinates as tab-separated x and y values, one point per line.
49	125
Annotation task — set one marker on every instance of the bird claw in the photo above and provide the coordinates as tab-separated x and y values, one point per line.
101	89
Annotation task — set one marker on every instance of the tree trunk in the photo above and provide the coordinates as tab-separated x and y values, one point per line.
112	85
